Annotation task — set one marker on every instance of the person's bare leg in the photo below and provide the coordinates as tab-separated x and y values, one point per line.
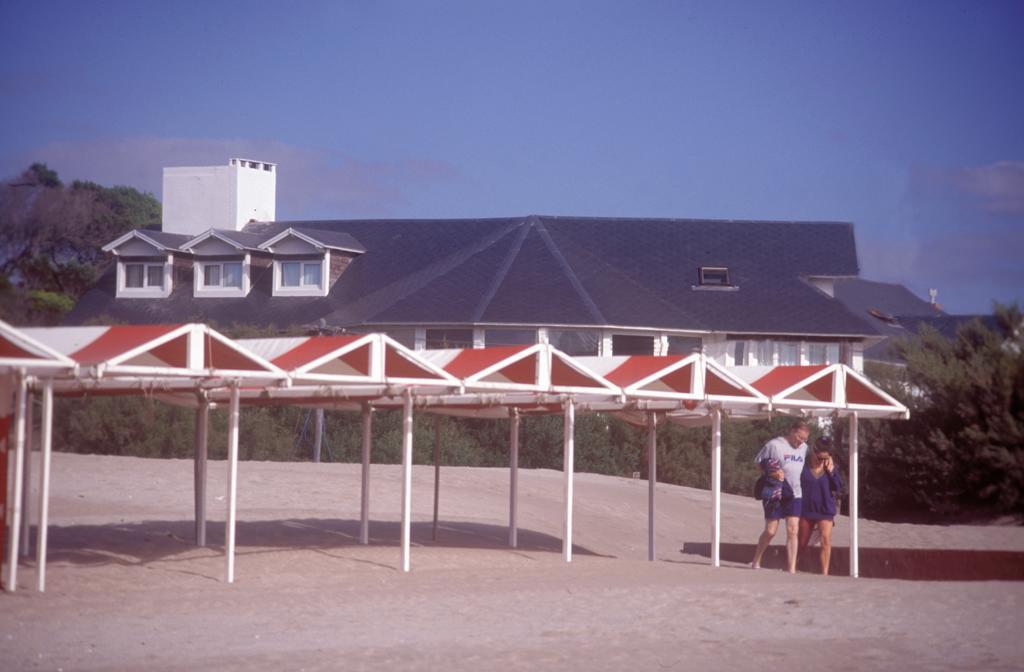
792	538
826	544
770	527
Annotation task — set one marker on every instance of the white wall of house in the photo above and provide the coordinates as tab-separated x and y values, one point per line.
197	198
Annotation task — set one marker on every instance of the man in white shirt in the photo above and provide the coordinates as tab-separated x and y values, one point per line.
788	452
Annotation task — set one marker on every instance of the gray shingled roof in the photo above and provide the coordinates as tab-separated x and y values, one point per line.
553	271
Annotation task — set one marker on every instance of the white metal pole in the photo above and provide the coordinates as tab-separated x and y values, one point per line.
437	472
199	469
854	504
232	480
568	442
716	487
319	440
26	494
652	479
406	478
364	501
15	496
45	450
513	488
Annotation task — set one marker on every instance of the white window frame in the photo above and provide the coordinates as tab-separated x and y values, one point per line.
146	291
304	290
199	288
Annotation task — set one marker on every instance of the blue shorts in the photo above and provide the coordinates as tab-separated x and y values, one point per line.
789	508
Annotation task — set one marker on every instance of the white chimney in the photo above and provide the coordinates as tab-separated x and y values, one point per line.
198	198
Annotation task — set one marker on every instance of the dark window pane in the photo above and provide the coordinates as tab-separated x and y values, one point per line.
632	345
494	337
440	339
714	276
290	273
683	345
311	274
573	342
233	274
133	274
154	276
211	275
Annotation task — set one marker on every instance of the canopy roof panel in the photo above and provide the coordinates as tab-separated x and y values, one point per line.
822	390
134	352
19	350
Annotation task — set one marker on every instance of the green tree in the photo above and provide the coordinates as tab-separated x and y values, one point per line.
962	451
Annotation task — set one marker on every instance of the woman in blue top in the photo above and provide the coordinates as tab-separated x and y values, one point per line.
820	483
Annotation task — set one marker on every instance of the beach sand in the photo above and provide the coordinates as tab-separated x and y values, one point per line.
128	590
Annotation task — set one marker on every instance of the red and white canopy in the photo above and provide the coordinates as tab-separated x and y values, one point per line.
527	368
19	350
685	386
822	390
527	378
334	369
125	355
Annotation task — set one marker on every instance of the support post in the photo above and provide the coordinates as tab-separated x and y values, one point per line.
854	503
318	441
716	487
406	478
199	469
232	480
26	478
437	472
45	451
364	502
652	479
568	443
14	497
513	488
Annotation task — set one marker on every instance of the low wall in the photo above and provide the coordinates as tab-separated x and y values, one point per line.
916	564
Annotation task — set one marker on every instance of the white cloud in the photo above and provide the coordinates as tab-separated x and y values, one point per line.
998	186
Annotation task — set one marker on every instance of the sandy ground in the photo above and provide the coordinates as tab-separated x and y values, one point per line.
127	589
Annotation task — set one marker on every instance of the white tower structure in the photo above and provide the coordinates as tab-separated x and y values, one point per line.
197	198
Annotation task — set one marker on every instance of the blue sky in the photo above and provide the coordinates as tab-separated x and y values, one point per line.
905	118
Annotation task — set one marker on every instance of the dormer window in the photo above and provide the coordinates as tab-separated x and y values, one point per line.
302	274
143	278
222	274
221	278
714	276
305	276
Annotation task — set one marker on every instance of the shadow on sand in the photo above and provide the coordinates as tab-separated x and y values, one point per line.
156	540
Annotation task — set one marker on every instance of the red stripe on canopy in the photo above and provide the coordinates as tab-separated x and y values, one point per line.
821	389
12	351
563	375
174	352
783	377
638	367
469	362
716	384
314	348
397	366
119	340
521	372
217	355
859	393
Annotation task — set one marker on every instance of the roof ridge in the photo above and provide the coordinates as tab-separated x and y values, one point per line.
499	277
421	278
588	300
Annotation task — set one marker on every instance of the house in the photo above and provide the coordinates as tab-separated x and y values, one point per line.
744	292
896	312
